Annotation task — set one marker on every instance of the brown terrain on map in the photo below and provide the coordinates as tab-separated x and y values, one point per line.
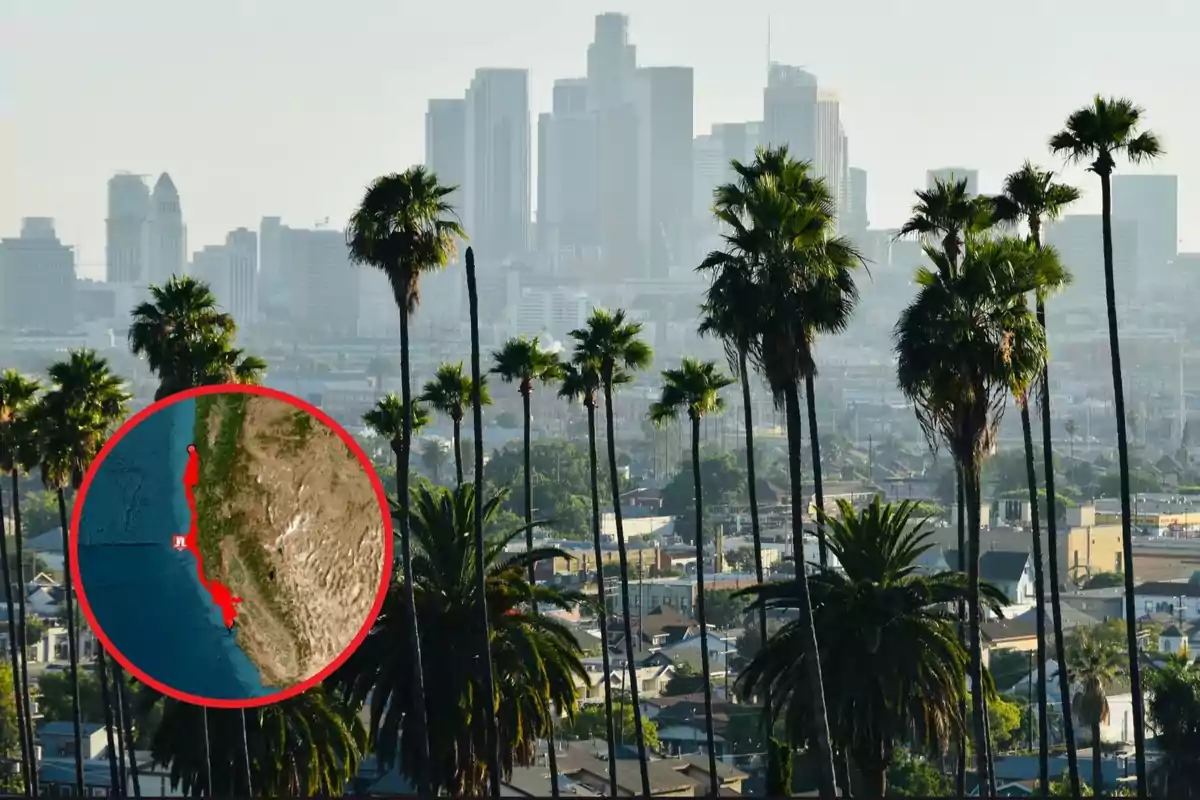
299	532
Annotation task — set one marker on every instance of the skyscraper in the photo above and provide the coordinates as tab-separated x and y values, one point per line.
712	155
856	204
231	270
127	243
271	301
830	161
446	145
790	111
37	280
566	218
497	201
168	236
1152	203
612	63
663	100
953	175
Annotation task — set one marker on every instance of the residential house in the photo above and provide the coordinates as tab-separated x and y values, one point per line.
48	547
1009	570
652	678
660	626
682	724
1173	641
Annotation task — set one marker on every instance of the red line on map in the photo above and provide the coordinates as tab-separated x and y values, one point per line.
221	596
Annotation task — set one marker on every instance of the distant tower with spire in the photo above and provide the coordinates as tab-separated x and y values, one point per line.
168	235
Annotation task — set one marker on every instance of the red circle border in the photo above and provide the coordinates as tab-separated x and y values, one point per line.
385	564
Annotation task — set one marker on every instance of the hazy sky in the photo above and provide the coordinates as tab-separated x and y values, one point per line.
288	107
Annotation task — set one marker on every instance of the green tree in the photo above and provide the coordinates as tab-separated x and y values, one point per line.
910	776
1096	663
1096	135
906	630
406	228
1004	723
723	483
387	420
963	344
537	659
1174	711
449	393
685	680
12	742
591	722
694	389
434	455
581	382
726	608
611	346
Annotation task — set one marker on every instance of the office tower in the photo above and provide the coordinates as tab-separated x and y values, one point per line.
168	236
790	111
37	280
830	161
663	99
127	243
1078	239
231	271
497	201
856	204
612	64
953	175
446	145
322	285
567	232
271	300
1152	203
712	157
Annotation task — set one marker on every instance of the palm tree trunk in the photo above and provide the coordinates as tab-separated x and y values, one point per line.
489	680
1039	583
611	737
701	617
970	473
14	644
114	770
123	702
818	487
1114	344
991	750
26	704
458	460
420	712
72	642
626	611
960	775
826	776
1060	646
551	755
249	775
755	530
1097	762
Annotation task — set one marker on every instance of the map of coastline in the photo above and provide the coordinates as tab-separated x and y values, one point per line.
230	546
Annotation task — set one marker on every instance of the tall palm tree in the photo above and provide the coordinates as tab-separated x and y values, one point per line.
947	215
84	403
305	746
406	228
522	361
487	666
694	389
964	342
582	383
1096	134
17	396
449	393
1095	663
539	664
909	696
386	420
780	217
611	346
1031	196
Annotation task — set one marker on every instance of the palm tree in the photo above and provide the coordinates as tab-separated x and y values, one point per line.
1096	135
694	389
1096	664
386	420
450	393
582	383
538	662
305	746
84	403
965	341
433	458
1031	196
406	228
1174	710
910	695
780	218
946	215
17	395
611	346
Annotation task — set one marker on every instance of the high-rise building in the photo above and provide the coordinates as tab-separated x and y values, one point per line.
231	271
1152	203
856	204
790	111
323	287
612	63
168	236
953	175
830	161
1079	241
663	99
271	300
446	145
566	218
712	157
127	243
497	201
37	280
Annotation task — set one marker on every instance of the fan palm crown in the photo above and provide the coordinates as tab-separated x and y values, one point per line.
523	361
449	391
948	214
1096	134
17	395
386	419
611	344
1032	196
693	389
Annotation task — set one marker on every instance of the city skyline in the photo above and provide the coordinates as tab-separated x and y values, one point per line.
329	181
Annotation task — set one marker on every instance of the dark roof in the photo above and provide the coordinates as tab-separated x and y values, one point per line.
1172	631
664	619
1169	589
996	566
1005	629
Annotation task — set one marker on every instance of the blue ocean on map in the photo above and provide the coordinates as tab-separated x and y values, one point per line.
145	595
